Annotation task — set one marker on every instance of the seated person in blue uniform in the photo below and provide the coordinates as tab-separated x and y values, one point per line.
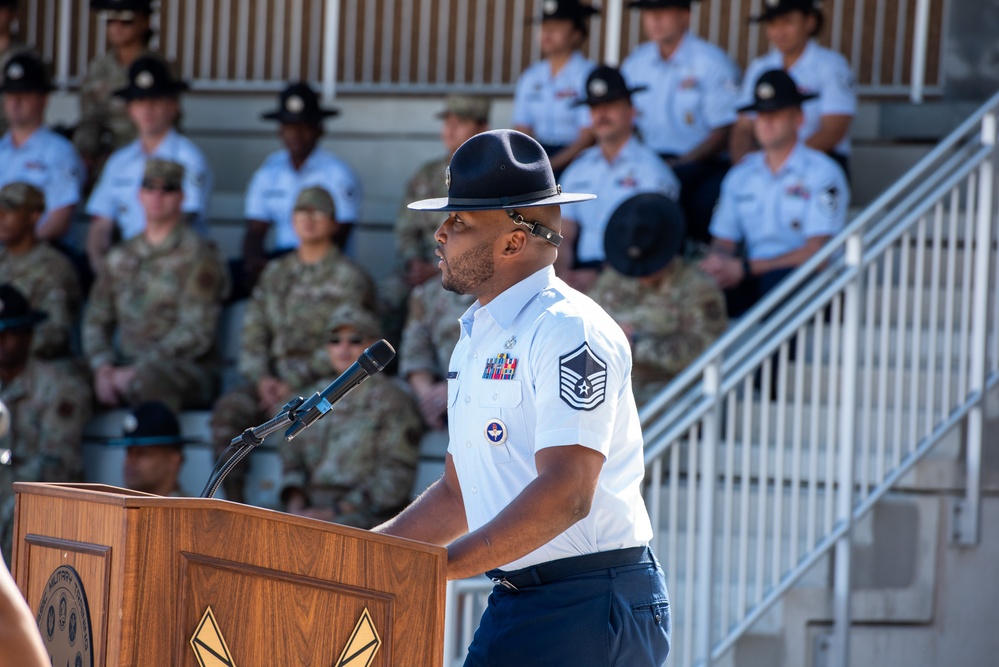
546	93
271	194
31	153
690	105
152	98
791	26
780	204
618	167
541	488
155	451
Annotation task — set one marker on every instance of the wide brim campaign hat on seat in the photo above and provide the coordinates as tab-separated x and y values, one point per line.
150	424
776	90
644	234
499	169
774	8
150	77
26	73
298	103
660	4
16	314
606	84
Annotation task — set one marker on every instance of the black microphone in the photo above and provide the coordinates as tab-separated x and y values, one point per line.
371	361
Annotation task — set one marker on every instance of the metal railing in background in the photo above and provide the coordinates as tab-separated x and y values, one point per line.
762	454
432	46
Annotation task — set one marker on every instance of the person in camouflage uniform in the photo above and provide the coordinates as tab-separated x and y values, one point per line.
356	466
105	125
8	44
427	342
47	410
669	309
44	274
463	117
283	328
149	327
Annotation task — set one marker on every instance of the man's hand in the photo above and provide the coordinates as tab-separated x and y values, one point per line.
272	393
104	386
420	272
433	405
726	271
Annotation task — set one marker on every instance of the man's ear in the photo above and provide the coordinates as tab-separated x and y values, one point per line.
515	243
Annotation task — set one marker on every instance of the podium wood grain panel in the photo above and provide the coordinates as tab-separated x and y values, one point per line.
284	590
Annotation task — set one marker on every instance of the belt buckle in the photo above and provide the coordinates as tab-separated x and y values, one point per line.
502	581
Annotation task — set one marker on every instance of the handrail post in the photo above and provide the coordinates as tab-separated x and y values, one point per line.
920	39
847	411
331	48
612	32
62	49
703	616
450	622
967	511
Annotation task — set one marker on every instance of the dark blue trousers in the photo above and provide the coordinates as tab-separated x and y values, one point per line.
613	617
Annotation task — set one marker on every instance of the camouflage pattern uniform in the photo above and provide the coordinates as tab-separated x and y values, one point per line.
104	122
284	331
432	329
673	322
414	230
48	411
50	283
360	458
163	302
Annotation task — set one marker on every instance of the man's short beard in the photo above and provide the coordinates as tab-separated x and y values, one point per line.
464	274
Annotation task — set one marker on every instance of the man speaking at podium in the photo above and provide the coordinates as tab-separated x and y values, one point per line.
541	488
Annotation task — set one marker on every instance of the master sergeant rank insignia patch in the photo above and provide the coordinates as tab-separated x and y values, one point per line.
582	378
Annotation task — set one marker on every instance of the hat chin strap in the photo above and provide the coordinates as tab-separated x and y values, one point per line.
537	229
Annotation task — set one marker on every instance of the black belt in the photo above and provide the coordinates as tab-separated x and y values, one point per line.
544	573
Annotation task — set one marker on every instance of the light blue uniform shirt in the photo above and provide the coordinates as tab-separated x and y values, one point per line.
819	71
545	103
775	214
274	188
116	195
47	161
688	96
571	386
635	169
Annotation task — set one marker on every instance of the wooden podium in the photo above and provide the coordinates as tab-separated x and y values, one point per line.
283	590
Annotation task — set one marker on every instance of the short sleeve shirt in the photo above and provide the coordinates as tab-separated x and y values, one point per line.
274	187
818	71
688	96
47	161
635	169
545	103
776	213
540	366
116	195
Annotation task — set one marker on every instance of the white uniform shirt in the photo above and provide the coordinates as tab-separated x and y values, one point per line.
116	195
545	103
274	188
688	96
819	71
777	213
47	161
635	169
571	385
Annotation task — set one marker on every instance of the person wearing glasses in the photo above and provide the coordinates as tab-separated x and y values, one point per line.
356	466
152	98
105	125
149	326
281	349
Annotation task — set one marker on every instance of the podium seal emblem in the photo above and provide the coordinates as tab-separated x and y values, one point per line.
64	619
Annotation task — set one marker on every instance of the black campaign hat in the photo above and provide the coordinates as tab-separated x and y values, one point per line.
15	312
775	90
606	84
138	6
644	234
660	4
151	423
570	10
299	104
773	8
499	169
25	73
150	77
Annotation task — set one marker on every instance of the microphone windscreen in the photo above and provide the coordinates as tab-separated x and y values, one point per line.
378	356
